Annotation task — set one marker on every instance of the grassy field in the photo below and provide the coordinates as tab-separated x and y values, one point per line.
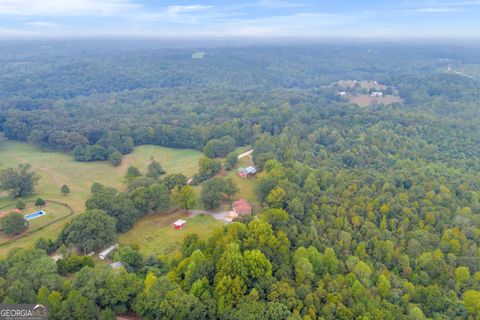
364	99
155	235
246	186
367	101
364	84
55	212
56	169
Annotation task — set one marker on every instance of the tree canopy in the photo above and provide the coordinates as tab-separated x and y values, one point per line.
13	224
90	231
19	182
364	212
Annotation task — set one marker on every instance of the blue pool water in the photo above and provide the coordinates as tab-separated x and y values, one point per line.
34	215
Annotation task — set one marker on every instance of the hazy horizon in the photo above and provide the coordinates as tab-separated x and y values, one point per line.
201	19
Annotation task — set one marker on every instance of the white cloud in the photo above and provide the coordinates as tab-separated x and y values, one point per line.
303	23
189	15
287	18
279	4
174	10
42	24
439	6
457	3
65	7
436	10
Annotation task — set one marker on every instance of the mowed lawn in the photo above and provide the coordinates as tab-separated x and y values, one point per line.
53	213
367	101
155	235
56	169
246	187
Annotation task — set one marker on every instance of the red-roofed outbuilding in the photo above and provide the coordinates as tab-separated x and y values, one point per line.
179	224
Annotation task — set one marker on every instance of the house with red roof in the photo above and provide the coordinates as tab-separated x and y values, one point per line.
241	207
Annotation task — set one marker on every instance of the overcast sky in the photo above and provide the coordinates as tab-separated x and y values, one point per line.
255	18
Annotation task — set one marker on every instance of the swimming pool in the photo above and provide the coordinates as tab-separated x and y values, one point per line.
34	215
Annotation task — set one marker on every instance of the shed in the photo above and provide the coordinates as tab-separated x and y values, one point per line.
104	254
179	224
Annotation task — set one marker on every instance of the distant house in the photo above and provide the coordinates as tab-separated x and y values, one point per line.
241	207
104	254
343	93
247	172
376	94
116	265
179	224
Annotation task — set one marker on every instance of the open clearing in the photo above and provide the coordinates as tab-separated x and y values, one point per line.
246	186
155	235
367	101
57	168
357	92
471	71
364	84
55	213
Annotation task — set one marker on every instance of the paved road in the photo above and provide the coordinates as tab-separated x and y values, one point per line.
245	154
219	215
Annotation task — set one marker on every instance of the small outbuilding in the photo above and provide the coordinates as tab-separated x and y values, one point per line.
104	254
179	224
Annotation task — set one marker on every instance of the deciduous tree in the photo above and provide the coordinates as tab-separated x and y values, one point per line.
13	224
19	182
90	231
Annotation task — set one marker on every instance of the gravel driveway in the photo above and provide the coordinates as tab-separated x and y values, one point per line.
218	215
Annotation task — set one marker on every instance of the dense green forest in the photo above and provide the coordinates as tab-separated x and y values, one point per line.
369	213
